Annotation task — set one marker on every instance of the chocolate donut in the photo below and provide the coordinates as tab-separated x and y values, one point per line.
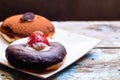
19	56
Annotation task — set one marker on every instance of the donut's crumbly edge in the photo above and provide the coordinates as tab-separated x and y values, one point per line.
7	38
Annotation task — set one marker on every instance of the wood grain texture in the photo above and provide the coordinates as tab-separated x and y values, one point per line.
101	63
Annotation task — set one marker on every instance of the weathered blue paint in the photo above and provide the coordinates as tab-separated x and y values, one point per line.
98	64
67	74
92	55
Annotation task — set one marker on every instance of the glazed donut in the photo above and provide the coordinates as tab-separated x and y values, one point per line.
28	56
22	25
21	57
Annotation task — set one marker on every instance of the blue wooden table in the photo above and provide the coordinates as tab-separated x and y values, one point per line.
100	63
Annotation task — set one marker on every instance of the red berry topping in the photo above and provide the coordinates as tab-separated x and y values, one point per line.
37	37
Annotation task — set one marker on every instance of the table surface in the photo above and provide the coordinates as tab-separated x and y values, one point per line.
100	63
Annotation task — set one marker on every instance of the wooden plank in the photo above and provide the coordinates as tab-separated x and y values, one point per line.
96	65
101	63
107	31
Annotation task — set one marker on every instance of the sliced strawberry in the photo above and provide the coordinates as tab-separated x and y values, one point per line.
36	37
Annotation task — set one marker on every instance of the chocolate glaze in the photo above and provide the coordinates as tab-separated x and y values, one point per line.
21	57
